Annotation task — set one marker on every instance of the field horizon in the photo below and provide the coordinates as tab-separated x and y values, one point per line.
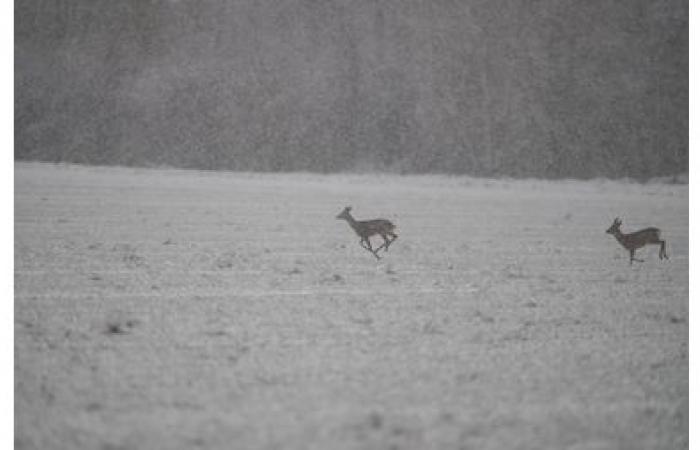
672	179
179	308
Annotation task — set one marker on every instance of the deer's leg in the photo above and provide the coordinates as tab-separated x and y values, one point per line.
632	258
367	245
364	243
393	238
662	250
385	244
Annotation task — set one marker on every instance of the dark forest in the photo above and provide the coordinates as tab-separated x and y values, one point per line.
520	88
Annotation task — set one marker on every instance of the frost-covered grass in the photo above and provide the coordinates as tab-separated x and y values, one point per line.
178	309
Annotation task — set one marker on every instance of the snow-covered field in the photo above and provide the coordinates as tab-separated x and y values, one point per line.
166	309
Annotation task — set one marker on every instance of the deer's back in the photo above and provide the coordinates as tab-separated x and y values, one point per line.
642	237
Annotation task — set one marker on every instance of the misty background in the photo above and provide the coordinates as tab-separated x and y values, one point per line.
525	88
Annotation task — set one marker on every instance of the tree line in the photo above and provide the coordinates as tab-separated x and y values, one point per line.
524	88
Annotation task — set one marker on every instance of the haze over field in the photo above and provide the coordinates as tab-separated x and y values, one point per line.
181	309
544	88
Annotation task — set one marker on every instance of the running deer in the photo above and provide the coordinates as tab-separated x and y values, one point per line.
368	228
638	239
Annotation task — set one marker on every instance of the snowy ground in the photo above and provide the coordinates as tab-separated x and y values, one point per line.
165	309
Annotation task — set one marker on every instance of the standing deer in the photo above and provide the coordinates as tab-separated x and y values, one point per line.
368	228
638	239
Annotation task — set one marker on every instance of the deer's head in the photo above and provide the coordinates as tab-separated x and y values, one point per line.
615	227
344	214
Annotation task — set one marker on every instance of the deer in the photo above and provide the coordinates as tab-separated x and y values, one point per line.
368	228
638	239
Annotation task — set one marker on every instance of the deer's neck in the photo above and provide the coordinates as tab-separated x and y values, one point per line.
351	221
621	237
